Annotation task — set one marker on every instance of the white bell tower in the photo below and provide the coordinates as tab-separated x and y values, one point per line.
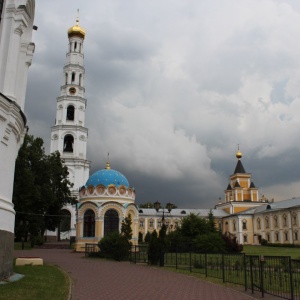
68	135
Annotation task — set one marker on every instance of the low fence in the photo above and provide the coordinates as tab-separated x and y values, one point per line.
139	254
273	275
90	248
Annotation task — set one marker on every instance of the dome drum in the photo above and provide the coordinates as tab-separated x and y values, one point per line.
110	191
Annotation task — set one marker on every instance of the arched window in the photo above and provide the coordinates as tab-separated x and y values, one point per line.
111	222
258	223
159	223
73	77
244	224
70	113
141	223
75	46
294	218
151	222
234	225
68	143
89	223
284	218
286	236
267	221
275	221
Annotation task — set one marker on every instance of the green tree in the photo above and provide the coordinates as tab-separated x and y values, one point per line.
147	237
211	242
193	234
146	205
192	226
151	205
126	229
154	249
140	240
211	222
41	189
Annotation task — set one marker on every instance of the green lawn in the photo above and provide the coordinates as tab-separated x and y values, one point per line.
272	251
18	246
40	282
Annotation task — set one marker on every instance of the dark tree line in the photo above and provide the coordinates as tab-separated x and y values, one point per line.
41	189
195	234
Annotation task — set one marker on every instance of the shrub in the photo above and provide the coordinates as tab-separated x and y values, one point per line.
154	249
264	242
115	246
209	243
38	240
231	244
147	237
140	237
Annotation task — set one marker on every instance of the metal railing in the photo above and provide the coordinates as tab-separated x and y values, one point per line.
90	248
274	275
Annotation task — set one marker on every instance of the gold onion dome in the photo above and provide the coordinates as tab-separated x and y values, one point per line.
76	30
239	154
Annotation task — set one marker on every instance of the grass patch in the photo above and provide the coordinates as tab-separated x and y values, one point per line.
272	251
18	246
40	282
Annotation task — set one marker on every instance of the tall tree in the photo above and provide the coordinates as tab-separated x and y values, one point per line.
41	189
126	230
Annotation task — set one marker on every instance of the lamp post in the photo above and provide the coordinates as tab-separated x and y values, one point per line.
169	207
163	230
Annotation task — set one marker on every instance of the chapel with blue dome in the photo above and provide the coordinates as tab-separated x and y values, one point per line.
104	202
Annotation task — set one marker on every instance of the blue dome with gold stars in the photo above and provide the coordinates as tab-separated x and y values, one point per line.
107	177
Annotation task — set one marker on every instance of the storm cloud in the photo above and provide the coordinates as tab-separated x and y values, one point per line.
174	86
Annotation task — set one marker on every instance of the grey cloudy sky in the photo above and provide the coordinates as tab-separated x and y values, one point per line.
174	86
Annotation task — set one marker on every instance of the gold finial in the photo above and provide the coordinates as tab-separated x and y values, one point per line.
76	30
107	163
239	154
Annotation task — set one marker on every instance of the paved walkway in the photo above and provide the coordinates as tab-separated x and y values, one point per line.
100	279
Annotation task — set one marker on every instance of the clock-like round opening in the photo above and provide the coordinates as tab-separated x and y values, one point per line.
72	90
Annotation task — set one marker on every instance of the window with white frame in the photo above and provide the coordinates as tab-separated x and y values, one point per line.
244	224
159	223
141	223
151	223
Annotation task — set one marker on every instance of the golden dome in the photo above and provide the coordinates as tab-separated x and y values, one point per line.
76	30
239	154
